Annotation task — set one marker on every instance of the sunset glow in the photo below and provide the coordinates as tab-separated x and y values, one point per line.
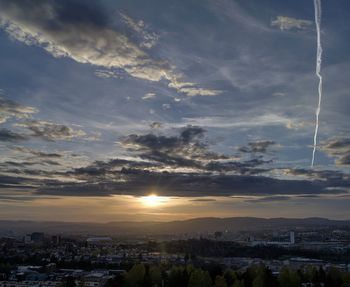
153	200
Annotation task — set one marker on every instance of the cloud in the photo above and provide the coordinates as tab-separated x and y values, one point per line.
37	153
203	200
166	107
333	176
149	96
344	160
257	147
156	125
138	183
86	38
9	136
42	129
44	23
279	94
51	131
108	74
269	199
188	152
178	165
288	23
148	38
9	109
339	148
191	90
184	150
268	119
36	165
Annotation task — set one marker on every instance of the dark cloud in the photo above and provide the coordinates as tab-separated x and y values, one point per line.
330	175
118	177
51	131
154	153
63	12
23	164
43	129
184	150
344	160
241	167
203	200
112	169
339	148
156	125
139	183
9	109
155	158
38	153
18	182
269	199
187	150
338	144
257	147
309	196
10	136
78	12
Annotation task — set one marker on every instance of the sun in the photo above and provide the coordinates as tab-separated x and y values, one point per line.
152	200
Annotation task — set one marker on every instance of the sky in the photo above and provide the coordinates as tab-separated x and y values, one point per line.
167	110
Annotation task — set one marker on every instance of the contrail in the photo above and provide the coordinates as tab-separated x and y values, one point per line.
317	4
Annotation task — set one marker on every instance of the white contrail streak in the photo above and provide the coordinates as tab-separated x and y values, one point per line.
317	4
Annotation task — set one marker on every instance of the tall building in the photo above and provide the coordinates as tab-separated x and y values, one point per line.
28	239
37	237
292	237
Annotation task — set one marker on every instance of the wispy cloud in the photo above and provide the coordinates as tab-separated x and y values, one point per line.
289	23
51	131
149	96
257	146
9	109
107	74
148	38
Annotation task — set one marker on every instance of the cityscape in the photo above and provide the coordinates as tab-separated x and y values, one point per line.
314	255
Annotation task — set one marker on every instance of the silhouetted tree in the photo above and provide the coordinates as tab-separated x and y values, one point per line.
135	276
199	278
220	281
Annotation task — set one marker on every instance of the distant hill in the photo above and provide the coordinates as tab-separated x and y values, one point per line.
172	227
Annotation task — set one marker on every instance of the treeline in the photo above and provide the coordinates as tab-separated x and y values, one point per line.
212	248
141	275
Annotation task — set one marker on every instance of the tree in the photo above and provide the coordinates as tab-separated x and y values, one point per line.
263	277
238	283
69	282
199	278
135	275
178	277
156	276
333	278
220	281
230	276
289	278
82	282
